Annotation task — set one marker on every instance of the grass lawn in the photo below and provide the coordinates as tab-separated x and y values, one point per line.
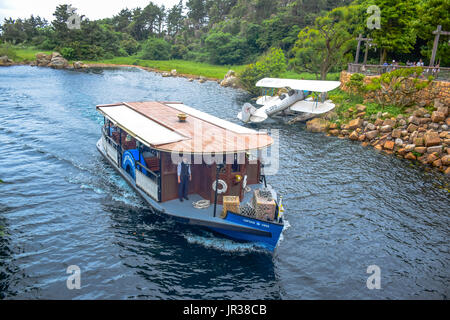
182	66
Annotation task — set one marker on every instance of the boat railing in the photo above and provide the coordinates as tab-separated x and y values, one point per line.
148	181
111	147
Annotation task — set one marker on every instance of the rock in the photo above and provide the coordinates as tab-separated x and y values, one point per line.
386	128
444	127
443	134
410	156
424	120
447	121
355	123
42	59
230	81
379	122
360	115
414	120
370	127
431	138
432	157
396	133
443	110
402	122
190	79
57	61
446	160
412	127
353	135
202	79
173	72
398	142
378	147
385	114
317	125
447	171
419	142
361	107
389	145
437	116
435	149
401	151
362	137
389	122
371	134
5	61
333	126
410	147
79	65
404	133
334	132
419	112
420	150
165	74
437	163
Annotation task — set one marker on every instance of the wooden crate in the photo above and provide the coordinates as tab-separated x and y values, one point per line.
265	208
231	203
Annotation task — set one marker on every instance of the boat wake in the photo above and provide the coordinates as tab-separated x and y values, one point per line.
223	244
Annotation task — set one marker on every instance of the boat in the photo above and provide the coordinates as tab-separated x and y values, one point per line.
228	194
307	97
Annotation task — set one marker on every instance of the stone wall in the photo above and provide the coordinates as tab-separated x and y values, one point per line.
436	90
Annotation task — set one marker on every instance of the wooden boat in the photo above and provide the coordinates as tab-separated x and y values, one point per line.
145	141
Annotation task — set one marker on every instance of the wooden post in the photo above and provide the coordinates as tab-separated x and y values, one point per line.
366	52
358	47
437	33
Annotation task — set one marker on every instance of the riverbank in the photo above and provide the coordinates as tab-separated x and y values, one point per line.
417	133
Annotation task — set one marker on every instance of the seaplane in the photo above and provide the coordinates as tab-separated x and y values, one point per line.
307	97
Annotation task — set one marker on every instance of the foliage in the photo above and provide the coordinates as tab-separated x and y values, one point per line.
324	46
224	48
7	50
356	83
398	87
272	64
155	49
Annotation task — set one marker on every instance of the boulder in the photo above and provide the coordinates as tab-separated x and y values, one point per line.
317	125
173	73
371	134
431	138
386	128
165	74
437	163
420	150
412	127
355	123
410	156
57	61
435	149
79	65
389	145
334	132
414	120
446	160
419	142
409	147
333	126
443	109
389	122
5	61
437	116
42	59
353	136
370	127
231	81
396	133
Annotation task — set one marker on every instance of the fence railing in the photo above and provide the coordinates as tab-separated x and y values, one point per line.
439	73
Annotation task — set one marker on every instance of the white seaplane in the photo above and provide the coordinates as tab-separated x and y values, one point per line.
302	96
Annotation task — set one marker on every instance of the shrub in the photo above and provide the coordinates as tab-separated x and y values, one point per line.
155	49
68	53
7	50
272	64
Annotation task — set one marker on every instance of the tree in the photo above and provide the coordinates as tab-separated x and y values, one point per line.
324	46
224	48
397	33
155	49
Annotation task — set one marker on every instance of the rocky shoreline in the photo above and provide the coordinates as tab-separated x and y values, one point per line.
422	135
56	61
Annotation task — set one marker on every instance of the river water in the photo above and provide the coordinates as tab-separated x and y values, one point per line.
347	207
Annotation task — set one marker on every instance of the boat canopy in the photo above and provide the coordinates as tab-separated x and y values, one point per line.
307	85
157	125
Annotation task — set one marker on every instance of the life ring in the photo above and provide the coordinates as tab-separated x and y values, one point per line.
244	183
223	184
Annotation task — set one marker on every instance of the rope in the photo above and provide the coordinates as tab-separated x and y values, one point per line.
201	204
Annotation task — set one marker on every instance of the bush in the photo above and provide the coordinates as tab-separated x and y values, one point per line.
68	53
7	50
178	51
224	48
272	64
156	49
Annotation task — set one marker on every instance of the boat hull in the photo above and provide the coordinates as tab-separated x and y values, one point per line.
269	242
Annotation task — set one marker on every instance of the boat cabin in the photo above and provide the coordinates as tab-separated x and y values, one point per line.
149	139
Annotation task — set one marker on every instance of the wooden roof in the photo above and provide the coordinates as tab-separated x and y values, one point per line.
200	132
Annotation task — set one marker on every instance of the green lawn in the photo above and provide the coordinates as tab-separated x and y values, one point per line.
182	66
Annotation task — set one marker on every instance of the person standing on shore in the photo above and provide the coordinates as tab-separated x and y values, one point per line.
184	176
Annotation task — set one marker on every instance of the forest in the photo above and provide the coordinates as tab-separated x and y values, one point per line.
315	36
